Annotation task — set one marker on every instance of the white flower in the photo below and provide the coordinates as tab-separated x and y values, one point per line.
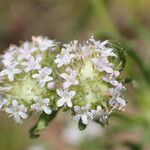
100	114
10	71
3	101
70	78
83	113
108	52
17	111
66	97
117	91
86	51
102	64
42	105
97	112
26	51
43	43
63	59
117	100
98	45
111	77
8	58
43	76
33	63
101	47
71	47
12	49
50	85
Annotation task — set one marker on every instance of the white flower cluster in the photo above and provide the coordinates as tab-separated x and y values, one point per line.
84	66
36	77
22	73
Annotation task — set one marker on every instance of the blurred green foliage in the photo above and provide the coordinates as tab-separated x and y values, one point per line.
64	20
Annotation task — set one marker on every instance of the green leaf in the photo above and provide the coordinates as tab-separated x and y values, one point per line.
81	125
119	49
42	123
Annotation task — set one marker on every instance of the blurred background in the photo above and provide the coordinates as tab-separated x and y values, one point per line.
65	20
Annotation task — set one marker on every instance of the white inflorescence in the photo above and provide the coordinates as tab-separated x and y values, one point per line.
35	77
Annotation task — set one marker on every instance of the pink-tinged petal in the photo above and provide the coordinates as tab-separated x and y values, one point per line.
77	108
17	71
76	82
50	85
46	100
95	61
76	118
72	93
105	78
108	69
66	84
114	82
121	101
47	70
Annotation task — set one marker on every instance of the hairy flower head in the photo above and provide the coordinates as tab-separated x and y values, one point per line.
26	72
40	77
